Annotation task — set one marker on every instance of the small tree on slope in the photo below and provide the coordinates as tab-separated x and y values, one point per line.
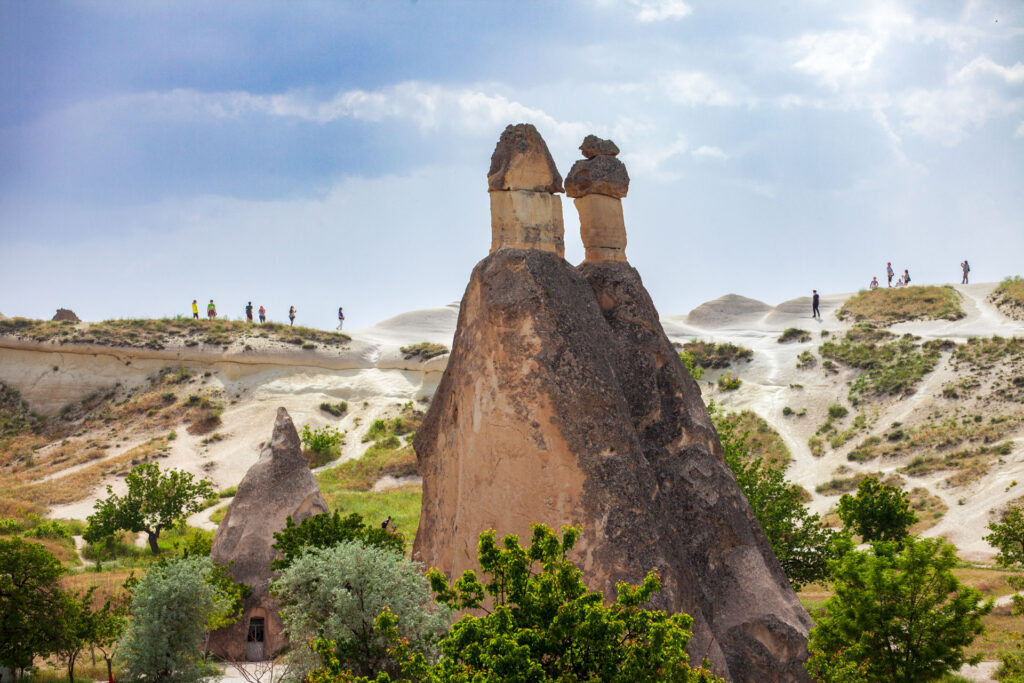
155	501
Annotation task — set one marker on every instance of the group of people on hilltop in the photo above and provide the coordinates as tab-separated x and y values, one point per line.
902	281
211	313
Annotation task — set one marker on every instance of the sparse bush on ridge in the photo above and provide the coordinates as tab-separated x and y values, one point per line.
886	306
423	351
793	334
714	356
1008	297
891	366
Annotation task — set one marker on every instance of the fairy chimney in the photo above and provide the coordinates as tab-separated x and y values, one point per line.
522	182
597	184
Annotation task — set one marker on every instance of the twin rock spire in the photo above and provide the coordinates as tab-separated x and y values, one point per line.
526	212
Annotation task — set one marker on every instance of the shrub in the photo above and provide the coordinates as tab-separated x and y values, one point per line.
322	444
324	531
727	382
787	411
696	371
817	446
836	411
805	360
423	351
336	409
708	354
793	334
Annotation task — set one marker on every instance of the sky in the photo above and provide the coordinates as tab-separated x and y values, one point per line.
325	154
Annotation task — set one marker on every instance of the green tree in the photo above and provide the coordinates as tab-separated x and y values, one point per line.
74	616
29	596
800	540
898	613
338	591
110	623
690	363
155	501
172	608
878	512
325	530
543	624
1007	536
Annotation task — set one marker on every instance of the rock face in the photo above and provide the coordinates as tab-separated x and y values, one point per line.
597	184
525	212
564	403
278	485
66	314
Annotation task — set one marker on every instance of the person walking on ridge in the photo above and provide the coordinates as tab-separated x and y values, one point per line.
341	317
967	269
248	311
291	315
211	310
263	314
888	270
815	313
906	277
195	309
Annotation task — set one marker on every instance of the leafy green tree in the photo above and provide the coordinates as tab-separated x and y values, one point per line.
803	544
544	624
155	501
1007	536
29	596
691	365
337	592
325	530
898	613
172	609
878	512
110	622
75	620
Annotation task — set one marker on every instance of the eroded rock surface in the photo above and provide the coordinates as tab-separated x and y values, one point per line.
278	485
521	161
594	146
66	314
563	402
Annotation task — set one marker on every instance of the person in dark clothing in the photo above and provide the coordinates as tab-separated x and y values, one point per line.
815	313
906	276
967	269
248	311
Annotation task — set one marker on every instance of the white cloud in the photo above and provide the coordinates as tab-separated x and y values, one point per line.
982	65
649	160
694	87
945	114
704	152
660	10
1019	133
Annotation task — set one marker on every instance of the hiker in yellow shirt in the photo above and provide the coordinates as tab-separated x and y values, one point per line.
195	309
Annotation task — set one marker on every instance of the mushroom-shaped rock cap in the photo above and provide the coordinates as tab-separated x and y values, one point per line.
594	146
521	161
600	175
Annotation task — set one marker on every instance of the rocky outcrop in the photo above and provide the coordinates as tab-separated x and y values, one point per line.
522	182
564	403
597	184
66	314
278	485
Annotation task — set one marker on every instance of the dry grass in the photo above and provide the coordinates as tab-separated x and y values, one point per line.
713	356
1009	297
761	437
887	306
423	351
929	508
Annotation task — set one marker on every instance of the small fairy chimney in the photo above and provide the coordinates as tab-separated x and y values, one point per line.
597	184
522	182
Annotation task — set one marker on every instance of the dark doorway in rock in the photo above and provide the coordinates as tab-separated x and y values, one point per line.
254	642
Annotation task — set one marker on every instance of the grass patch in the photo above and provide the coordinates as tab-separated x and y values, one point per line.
887	306
805	360
336	409
402	504
1008	297
761	437
157	333
423	351
793	334
841	484
890	366
929	508
726	382
712	356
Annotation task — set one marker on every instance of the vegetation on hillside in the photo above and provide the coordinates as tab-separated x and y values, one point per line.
1008	297
714	356
793	334
762	440
885	306
890	365
157	333
423	350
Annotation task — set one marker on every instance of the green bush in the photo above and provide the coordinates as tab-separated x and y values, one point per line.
322	440
727	382
793	334
336	409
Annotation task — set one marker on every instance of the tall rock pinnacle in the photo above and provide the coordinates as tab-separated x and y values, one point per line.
525	211
564	403
597	184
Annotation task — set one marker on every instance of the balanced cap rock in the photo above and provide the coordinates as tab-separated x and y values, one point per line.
597	184
279	485
522	180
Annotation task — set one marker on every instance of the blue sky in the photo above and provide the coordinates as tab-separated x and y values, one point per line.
320	154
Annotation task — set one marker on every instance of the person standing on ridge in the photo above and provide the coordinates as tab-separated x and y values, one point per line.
195	309
888	270
874	283
967	269
341	317
291	315
248	311
906	277
263	314
211	310
815	313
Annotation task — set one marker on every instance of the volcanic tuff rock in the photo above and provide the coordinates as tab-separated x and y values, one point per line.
524	212
601	175
66	314
594	146
564	403
278	485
